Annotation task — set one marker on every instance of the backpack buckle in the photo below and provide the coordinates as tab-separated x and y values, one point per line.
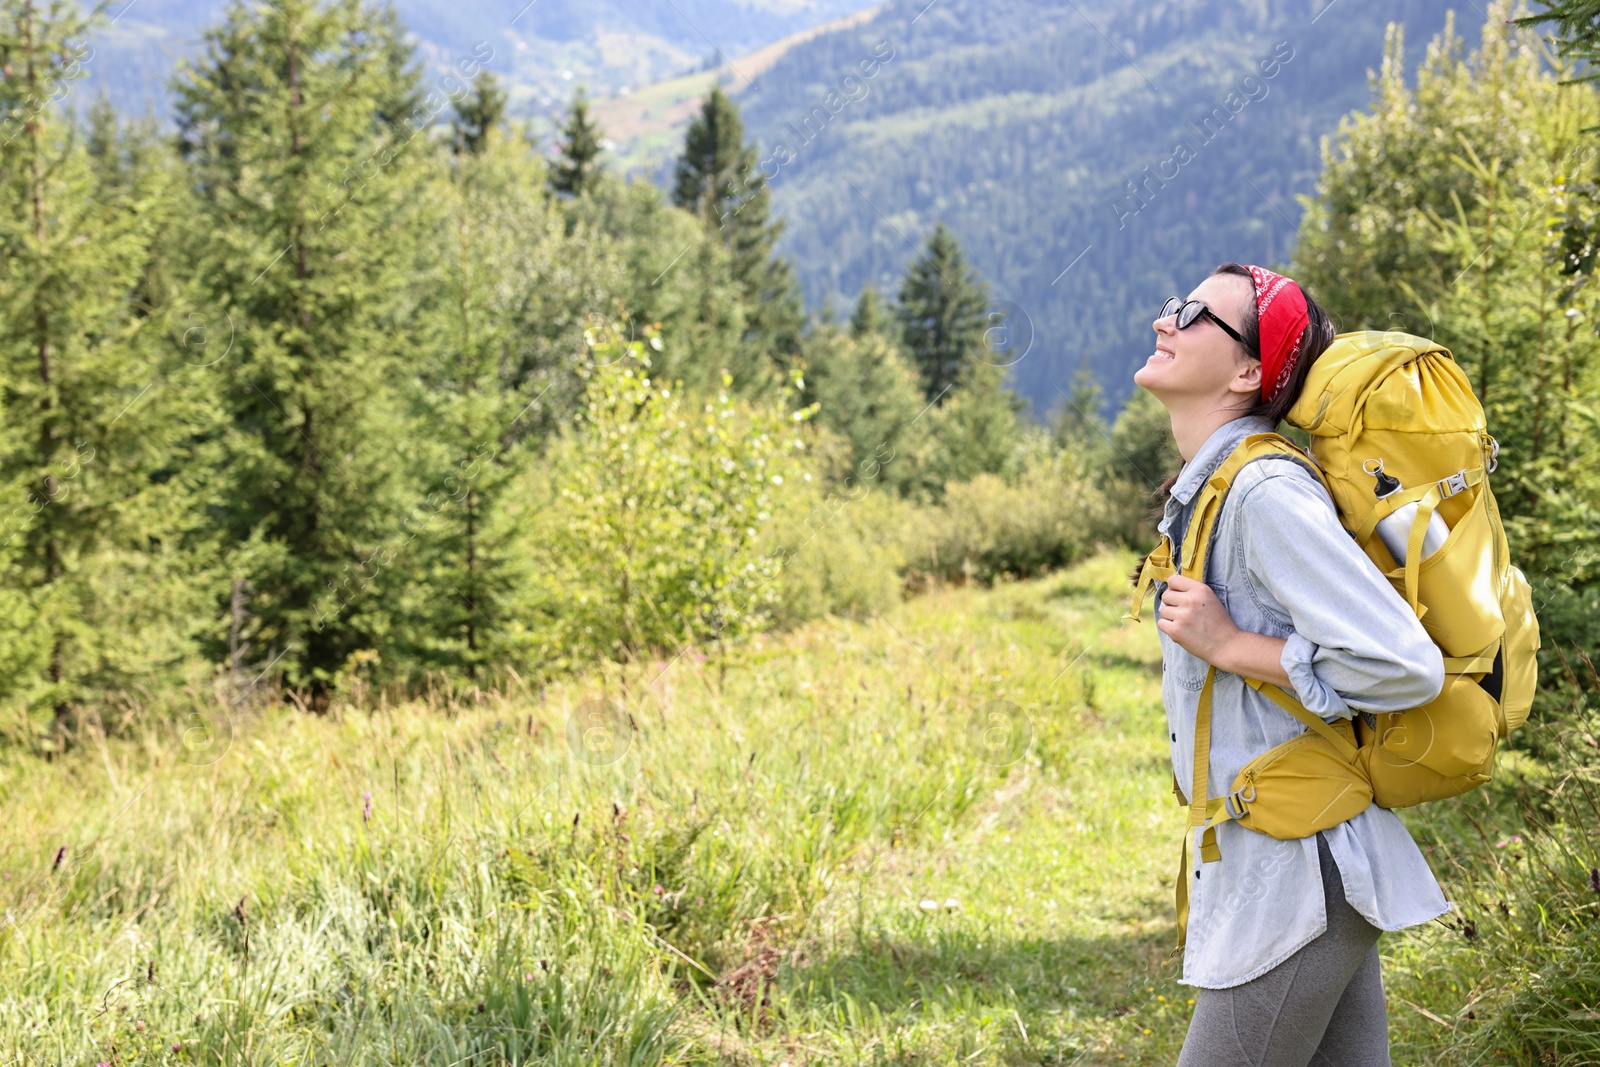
1455	483
1238	796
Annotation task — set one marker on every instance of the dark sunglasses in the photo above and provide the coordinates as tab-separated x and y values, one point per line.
1193	309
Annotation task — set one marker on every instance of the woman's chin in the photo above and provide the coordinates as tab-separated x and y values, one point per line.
1149	374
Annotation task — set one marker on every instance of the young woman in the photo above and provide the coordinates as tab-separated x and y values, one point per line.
1282	935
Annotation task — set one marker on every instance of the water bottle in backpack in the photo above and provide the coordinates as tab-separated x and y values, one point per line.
1395	529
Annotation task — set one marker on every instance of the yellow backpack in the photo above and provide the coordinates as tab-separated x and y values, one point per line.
1399	404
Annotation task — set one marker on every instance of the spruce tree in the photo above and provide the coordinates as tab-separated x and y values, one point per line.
942	314
670	270
865	391
1577	27
718	179
305	187
872	315
579	168
94	460
101	142
481	372
1141	451
478	116
979	427
1078	423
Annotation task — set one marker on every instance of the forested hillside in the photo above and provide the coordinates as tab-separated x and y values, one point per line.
1093	156
1159	139
542	49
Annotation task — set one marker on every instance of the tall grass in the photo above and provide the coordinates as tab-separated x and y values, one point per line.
941	834
1514	975
605	872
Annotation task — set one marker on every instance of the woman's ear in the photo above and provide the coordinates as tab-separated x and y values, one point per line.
1248	380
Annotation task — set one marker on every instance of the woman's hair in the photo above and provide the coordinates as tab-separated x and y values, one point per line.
1319	333
1318	336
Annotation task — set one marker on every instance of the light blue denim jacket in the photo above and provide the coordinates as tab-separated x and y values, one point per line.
1282	565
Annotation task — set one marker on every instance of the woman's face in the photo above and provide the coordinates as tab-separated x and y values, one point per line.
1202	361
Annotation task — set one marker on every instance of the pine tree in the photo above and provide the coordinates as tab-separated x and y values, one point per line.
96	419
718	179
480	366
671	270
865	391
979	427
478	116
1078	423
579	168
942	314
305	192
872	315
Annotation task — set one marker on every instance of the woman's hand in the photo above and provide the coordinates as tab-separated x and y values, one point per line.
1192	616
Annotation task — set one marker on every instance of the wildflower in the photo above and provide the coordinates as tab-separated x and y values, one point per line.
1594	879
1514	839
61	854
177	1046
366	806
929	905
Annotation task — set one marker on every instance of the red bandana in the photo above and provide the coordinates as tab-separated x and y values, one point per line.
1281	312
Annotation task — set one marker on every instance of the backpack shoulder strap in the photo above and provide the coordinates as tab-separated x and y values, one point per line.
1208	507
1158	566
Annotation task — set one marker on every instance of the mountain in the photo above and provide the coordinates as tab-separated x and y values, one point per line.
1092	156
644	127
542	49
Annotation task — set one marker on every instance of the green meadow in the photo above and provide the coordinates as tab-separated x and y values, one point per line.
942	835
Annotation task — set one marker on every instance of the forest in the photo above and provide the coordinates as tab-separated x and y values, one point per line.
346	377
356	447
1084	153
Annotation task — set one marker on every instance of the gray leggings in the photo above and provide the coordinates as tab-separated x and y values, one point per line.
1321	1006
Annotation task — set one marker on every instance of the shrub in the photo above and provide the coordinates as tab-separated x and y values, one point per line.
653	520
1051	514
844	551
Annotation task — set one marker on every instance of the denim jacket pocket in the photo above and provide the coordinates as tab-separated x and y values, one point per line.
1188	670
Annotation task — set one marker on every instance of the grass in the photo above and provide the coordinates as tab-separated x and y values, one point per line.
941	837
